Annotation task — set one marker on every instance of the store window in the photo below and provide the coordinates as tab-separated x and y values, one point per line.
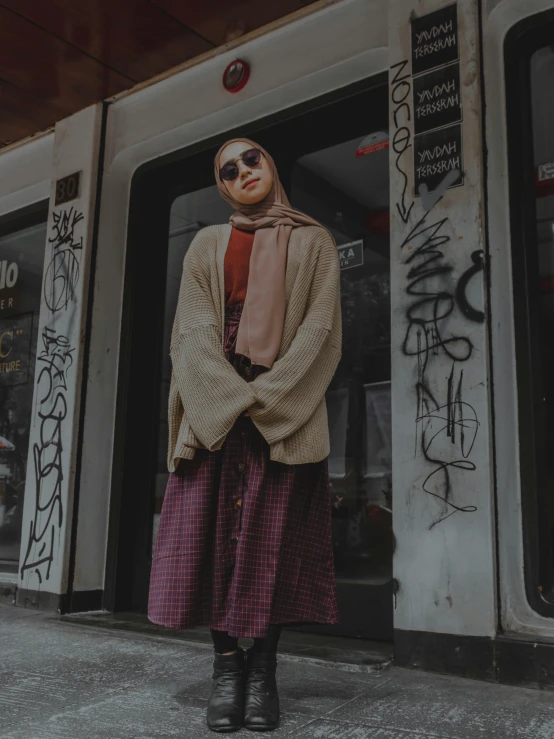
531	123
345	187
21	265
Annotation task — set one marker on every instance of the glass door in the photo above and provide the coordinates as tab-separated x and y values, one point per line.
530	115
333	162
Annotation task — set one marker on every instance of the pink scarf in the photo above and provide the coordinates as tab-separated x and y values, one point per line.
272	220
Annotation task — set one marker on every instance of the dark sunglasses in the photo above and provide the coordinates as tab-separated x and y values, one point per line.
250	158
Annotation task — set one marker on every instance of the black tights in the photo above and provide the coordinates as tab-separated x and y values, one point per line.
223	643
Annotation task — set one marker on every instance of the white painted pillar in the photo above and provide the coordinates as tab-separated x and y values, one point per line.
443	490
51	467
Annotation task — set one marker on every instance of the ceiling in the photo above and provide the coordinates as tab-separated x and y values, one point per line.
59	56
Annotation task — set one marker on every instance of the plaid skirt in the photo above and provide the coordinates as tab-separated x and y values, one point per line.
243	542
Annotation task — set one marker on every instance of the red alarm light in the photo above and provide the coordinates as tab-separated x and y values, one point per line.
236	75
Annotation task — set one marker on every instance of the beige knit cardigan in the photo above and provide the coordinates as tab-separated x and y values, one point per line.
287	402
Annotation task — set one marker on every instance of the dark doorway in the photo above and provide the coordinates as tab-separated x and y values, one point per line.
332	156
529	57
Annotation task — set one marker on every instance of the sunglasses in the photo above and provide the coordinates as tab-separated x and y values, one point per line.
250	158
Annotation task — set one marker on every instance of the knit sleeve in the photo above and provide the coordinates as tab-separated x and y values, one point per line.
212	393
289	393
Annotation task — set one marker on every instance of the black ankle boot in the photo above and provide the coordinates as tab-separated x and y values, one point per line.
226	702
261	701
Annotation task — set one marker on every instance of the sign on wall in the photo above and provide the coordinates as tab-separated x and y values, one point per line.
435	39
351	255
435	154
437	98
68	188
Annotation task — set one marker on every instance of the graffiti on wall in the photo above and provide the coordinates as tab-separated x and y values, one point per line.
55	363
62	273
436	303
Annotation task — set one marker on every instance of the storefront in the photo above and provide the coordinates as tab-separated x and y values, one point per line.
326	170
439	468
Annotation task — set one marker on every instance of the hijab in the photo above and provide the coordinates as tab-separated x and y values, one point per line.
272	220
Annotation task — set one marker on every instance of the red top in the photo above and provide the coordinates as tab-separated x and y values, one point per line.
236	266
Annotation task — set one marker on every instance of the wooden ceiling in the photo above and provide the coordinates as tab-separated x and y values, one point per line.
59	56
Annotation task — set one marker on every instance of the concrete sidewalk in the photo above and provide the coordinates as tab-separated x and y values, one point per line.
60	680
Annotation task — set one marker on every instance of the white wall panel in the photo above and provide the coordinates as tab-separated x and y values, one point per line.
48	505
442	488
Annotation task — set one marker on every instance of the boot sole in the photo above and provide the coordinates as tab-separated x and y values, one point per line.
224	730
267	727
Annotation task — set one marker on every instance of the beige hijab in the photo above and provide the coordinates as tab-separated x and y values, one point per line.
272	219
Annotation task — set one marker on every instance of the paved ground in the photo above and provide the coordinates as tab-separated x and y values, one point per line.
69	681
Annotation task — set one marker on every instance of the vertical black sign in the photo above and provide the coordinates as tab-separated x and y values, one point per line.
437	99
435	39
435	155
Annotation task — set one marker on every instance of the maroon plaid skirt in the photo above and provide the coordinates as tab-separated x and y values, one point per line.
243	541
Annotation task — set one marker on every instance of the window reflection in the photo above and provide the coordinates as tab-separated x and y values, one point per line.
21	265
541	299
349	195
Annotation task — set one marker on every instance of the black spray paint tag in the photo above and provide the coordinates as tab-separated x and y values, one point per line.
351	255
437	99
435	39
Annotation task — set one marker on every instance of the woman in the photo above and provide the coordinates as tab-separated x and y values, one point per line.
244	540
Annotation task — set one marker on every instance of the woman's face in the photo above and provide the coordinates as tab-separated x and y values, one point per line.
253	183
